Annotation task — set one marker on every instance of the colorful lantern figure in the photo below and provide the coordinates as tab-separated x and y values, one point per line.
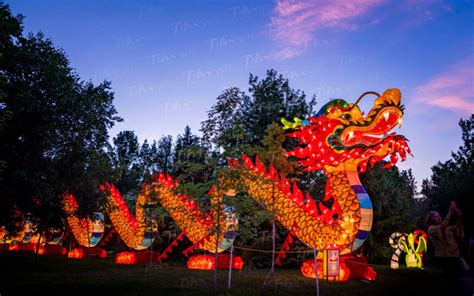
341	274
27	234
30	235
27	238
54	236
3	234
413	244
136	232
211	231
87	232
208	262
340	141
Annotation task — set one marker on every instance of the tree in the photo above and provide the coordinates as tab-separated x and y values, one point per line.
249	124
393	200
190	161
10	32
454	180
125	155
222	128
53	141
238	122
270	99
164	154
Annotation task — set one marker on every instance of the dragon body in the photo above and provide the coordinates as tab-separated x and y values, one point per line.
28	233
342	142
339	140
136	231
212	231
335	221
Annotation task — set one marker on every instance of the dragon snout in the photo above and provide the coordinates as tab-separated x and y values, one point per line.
391	96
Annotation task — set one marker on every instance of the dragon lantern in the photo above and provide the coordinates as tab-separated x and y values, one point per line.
342	142
339	140
136	231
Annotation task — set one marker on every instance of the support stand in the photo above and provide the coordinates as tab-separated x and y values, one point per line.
207	262
81	253
134	257
350	268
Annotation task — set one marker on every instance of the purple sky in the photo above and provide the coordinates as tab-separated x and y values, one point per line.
169	60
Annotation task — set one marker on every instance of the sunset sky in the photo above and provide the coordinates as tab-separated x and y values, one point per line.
169	60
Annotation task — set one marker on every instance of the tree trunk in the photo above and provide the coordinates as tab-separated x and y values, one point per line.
37	247
88	244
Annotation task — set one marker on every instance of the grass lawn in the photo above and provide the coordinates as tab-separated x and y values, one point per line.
55	275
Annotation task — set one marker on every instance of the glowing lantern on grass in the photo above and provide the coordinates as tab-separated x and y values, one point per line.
207	262
76	254
3	233
125	258
413	244
134	257
52	250
331	263
41	251
350	268
80	253
102	253
308	270
14	247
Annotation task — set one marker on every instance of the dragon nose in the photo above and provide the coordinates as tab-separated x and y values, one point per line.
391	96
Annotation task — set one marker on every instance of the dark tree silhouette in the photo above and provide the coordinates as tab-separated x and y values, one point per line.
454	180
54	137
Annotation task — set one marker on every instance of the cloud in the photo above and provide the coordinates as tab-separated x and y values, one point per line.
422	11
295	22
285	53
451	89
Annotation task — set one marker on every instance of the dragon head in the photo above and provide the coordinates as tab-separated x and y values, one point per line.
340	134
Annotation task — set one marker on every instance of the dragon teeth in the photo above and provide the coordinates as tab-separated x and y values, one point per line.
350	135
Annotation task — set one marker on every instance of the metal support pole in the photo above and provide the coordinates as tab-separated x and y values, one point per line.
316	270
229	282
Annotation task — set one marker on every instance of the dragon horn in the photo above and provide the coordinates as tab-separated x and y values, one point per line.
286	124
290	125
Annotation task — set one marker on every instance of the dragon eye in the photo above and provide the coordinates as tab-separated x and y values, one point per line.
346	116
